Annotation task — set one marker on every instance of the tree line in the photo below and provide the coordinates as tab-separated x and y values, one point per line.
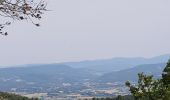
10	96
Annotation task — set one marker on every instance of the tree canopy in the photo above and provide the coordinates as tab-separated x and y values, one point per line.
148	88
166	74
10	96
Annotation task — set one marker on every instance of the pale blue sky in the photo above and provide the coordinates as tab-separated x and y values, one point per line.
90	29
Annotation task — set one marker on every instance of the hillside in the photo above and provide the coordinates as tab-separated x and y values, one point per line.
41	75
131	74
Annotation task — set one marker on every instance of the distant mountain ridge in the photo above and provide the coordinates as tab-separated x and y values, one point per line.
116	64
131	74
41	75
109	70
54	71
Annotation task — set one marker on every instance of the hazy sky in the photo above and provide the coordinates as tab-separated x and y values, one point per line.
90	29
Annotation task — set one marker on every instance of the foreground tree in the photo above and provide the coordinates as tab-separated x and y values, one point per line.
166	74
150	89
21	10
166	81
146	89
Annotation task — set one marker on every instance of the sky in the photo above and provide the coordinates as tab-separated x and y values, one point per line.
75	30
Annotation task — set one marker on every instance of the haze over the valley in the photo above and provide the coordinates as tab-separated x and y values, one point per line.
77	30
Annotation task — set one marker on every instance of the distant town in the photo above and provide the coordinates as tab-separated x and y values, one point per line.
74	91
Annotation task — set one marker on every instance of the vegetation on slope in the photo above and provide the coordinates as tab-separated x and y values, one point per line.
10	96
128	97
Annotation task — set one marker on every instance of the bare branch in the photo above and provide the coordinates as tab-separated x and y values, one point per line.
22	10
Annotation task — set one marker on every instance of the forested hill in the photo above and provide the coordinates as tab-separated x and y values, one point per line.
131	74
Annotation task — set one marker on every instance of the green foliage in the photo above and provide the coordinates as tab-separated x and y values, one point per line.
150	89
166	74
127	97
147	88
166	81
9	96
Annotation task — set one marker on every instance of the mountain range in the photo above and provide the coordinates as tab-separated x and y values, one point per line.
131	74
107	70
117	64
